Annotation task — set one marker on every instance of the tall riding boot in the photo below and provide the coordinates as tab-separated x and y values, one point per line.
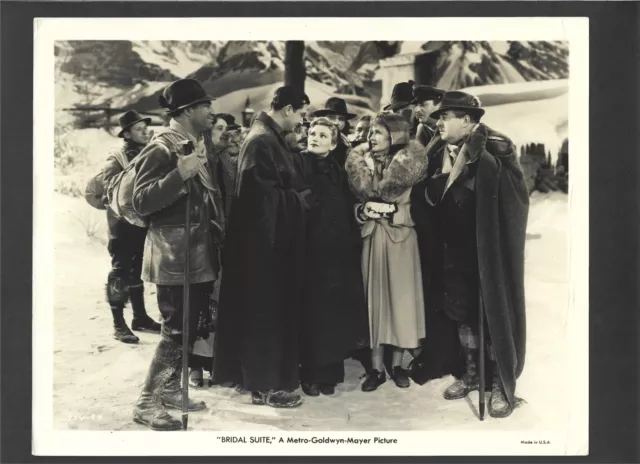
149	410
498	403
469	381
172	395
141	320
121	331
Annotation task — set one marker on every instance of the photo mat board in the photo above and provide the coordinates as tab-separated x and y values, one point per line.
564	433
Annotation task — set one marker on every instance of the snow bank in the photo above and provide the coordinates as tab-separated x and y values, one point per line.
97	379
500	94
538	121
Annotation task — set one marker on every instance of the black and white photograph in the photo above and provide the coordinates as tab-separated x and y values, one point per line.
311	236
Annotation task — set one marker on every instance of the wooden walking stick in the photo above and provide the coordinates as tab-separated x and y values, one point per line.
481	358
185	313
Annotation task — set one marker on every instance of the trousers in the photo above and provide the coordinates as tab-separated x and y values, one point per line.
171	308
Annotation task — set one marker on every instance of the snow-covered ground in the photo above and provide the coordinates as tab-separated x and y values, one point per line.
97	379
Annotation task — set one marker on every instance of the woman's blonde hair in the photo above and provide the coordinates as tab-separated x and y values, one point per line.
322	121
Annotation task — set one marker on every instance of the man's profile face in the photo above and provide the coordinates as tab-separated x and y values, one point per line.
202	116
453	128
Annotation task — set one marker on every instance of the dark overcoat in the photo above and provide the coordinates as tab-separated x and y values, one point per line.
334	318
161	194
502	205
261	291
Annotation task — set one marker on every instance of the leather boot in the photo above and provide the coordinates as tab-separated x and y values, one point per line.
374	379
149	410
141	320
469	381
327	389
499	406
172	395
121	331
401	377
276	399
310	389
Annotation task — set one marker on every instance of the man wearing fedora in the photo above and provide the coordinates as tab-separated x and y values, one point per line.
402	103
471	214
257	346
426	100
172	169
126	241
335	109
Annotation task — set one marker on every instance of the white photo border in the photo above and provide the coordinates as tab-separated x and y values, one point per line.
572	440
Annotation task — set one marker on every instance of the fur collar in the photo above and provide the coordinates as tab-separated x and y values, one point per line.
407	168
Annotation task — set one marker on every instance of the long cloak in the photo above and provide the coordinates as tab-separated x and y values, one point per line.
261	291
502	206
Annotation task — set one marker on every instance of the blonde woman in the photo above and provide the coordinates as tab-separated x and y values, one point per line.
381	176
334	316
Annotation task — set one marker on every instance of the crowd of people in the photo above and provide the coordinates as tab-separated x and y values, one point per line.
310	243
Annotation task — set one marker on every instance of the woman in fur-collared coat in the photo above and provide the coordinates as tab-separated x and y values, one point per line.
381	176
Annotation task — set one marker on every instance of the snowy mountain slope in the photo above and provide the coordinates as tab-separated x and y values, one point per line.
464	64
132	73
179	57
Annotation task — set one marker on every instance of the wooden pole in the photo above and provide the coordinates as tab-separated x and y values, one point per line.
294	70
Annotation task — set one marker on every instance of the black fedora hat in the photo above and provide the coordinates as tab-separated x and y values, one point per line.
401	96
128	119
334	106
457	100
182	94
426	92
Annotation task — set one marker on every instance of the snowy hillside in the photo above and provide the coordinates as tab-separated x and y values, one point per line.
180	57
127	73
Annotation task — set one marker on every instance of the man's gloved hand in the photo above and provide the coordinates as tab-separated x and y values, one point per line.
308	199
476	142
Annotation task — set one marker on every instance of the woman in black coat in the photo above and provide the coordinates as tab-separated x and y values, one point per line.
334	320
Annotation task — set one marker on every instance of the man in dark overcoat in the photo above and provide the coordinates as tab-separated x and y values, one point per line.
126	241
471	213
172	168
426	101
257	345
402	103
